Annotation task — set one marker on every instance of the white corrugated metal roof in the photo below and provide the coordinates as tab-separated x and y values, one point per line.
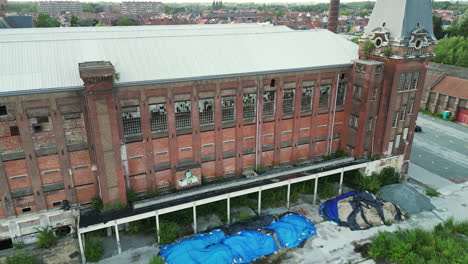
50	60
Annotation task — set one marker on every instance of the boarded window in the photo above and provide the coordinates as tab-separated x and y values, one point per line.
131	120
403	113
288	101
390	148
206	108
183	115
397	142
357	93
158	117
340	100
353	121
374	93
324	100
250	106
306	100
269	104
228	105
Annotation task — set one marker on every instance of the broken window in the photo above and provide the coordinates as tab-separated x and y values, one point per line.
402	82
26	209
14	131
414	85
324	99
41	124
306	100
395	120
357	93
183	114
403	113
353	121
411	106
374	93
273	83
131	119
158	117
269	104
206	108
74	128
3	110
288	101
249	101
340	100
228	105
369	125
409	78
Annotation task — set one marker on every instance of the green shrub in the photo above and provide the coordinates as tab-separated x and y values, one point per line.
444	244
368	48
260	169
244	216
132	196
168	232
368	183
389	176
325	190
156	260
113	206
96	203
20	257
432	192
18	245
340	153
94	249
46	237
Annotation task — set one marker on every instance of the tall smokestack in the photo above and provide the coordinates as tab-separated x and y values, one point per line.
333	15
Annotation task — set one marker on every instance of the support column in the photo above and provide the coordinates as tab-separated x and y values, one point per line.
228	210
7	203
239	128
341	181
147	141
195	218
119	248
297	120
218	131
158	237
315	188
259	205
80	242
313	123
289	195
278	118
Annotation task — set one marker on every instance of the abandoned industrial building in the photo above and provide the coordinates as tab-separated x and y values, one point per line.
89	112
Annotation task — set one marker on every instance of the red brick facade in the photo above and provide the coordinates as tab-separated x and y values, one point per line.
108	139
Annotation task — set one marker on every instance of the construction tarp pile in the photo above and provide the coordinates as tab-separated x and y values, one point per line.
360	210
245	246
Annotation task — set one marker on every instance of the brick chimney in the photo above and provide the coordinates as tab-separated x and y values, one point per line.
333	15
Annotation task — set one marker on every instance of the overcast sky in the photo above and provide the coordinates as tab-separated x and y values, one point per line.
210	1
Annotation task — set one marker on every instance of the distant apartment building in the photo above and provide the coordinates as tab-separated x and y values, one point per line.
138	8
54	8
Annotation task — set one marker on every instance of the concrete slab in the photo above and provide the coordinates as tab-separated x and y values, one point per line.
428	178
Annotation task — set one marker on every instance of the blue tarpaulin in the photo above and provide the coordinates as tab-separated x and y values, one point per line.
243	247
329	209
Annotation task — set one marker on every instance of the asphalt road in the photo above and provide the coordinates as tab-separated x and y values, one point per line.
441	149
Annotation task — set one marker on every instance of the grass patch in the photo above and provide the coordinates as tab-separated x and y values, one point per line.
358	181
168	232
156	260
94	249
445	244
432	192
46	237
19	257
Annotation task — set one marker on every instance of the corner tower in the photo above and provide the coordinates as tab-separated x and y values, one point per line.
400	37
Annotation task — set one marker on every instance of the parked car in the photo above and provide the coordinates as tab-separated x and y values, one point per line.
418	129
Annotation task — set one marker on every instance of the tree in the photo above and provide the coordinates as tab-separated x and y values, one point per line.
462	25
44	20
74	21
88	22
125	22
452	51
437	23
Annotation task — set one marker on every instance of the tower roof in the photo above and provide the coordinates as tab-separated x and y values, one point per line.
401	19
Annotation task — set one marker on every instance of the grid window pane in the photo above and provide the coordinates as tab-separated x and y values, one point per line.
288	101
341	94
228	105
249	101
269	104
306	100
402	82
414	85
158	117
131	119
409	78
411	106
324	99
206	107
183	114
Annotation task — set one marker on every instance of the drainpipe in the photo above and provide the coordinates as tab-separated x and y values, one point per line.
330	144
